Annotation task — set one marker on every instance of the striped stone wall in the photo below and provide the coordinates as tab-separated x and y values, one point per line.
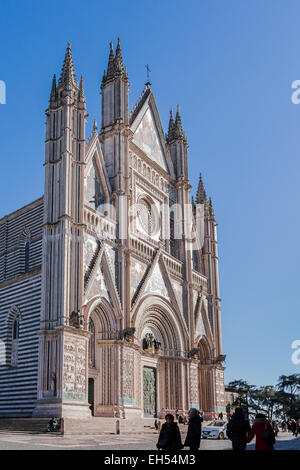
24	225
20	297
18	384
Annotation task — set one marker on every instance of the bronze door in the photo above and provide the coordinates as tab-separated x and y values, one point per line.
149	378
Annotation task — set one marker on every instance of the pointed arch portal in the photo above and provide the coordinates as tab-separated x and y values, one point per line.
102	375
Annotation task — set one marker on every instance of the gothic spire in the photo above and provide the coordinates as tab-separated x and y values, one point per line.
53	89
177	128
171	126
210	207
111	63
115	65
95	127
178	132
68	77
201	194
119	68
81	95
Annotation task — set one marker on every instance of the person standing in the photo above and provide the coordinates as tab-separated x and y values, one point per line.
297	427
293	426
169	436
193	436
262	429
283	426
238	429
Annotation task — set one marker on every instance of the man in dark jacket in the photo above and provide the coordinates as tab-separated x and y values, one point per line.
193	436
238	429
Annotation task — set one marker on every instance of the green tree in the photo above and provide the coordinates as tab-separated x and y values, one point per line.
288	387
244	391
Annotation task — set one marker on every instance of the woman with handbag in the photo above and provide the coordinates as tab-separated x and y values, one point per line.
262	429
169	436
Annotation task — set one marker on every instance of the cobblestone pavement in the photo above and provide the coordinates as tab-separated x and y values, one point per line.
147	441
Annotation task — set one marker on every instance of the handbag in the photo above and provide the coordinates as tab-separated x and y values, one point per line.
268	436
162	443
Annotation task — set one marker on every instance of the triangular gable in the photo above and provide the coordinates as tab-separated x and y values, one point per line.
149	134
137	273
101	280
94	190
147	139
99	286
156	280
201	319
94	157
156	284
200	328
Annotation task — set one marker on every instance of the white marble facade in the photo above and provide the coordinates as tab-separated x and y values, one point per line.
130	318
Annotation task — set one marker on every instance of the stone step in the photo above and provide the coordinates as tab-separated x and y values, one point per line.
98	425
93	425
28	425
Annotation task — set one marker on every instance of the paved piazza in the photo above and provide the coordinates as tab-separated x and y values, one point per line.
23	441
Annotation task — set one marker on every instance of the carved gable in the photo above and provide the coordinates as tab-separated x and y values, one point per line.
147	138
200	328
93	190
137	271
99	287
156	284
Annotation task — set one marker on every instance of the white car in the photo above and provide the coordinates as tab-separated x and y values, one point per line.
215	430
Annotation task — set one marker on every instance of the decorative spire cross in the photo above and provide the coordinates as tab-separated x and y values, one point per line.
148	74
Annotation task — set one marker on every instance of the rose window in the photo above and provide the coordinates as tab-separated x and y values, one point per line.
146	216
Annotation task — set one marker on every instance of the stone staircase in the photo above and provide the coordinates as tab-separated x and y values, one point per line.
21	425
92	426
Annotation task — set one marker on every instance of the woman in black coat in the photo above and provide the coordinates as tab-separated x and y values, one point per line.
169	437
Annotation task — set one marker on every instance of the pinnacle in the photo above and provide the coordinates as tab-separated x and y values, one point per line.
119	68
171	126
115	65
178	132
111	60
81	91
95	127
53	89
210	206
68	77
201	194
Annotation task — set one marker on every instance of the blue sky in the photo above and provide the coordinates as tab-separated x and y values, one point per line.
230	65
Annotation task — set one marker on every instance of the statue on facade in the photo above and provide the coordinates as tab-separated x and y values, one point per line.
150	342
128	335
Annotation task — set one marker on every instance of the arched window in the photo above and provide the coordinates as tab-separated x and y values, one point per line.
92	344
15	334
15	342
27	256
12	336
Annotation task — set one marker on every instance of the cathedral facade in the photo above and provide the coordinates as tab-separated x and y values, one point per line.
109	284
